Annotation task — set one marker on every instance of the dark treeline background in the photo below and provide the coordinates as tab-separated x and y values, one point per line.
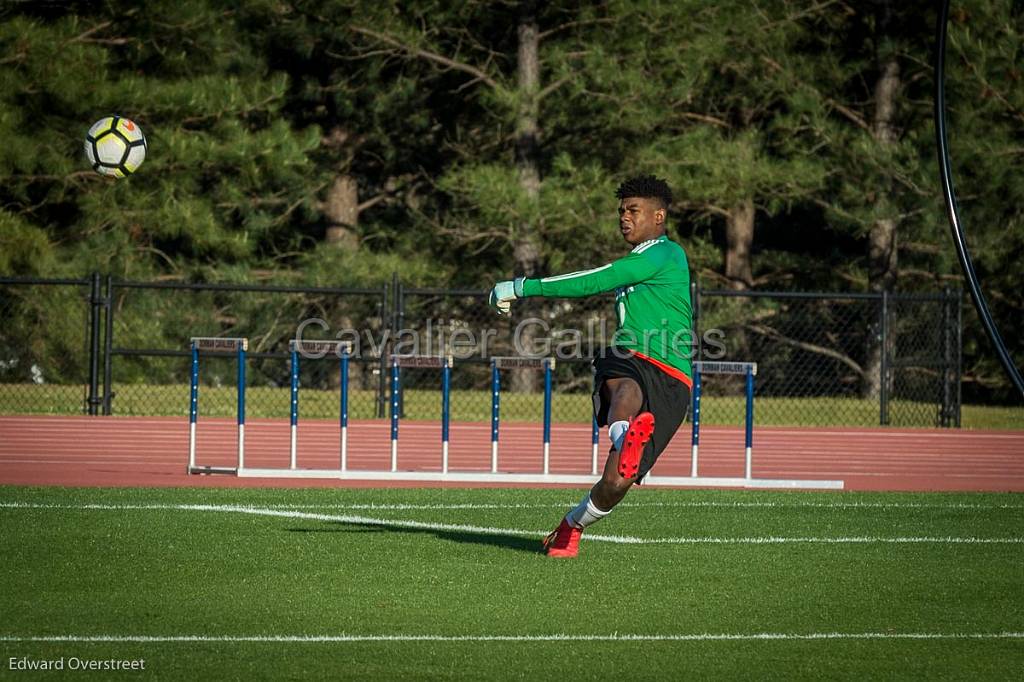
335	142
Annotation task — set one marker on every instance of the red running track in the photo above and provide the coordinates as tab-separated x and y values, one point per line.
145	451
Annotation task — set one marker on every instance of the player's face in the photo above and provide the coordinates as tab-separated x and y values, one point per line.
640	219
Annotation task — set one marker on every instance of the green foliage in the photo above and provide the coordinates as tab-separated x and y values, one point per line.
23	247
253	110
986	130
224	172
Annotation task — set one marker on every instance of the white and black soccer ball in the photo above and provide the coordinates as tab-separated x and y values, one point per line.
115	146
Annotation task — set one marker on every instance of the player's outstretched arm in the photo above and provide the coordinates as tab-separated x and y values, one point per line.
632	269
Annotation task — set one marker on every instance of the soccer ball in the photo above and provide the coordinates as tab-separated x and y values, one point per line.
115	146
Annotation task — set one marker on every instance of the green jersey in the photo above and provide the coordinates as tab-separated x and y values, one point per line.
652	300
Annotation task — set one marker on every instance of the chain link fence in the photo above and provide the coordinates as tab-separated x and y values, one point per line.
837	359
823	359
922	373
45	347
149	326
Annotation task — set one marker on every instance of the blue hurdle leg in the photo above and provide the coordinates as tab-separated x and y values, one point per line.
193	408
495	411
695	422
343	409
293	448
595	435
446	380
749	439
395	389
241	406
547	414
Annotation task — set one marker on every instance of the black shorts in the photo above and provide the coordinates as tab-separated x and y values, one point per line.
666	397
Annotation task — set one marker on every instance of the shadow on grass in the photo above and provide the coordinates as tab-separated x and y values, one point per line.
520	544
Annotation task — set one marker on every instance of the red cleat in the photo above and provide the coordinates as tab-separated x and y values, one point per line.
640	431
564	541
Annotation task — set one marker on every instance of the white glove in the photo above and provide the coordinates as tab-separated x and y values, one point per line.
504	293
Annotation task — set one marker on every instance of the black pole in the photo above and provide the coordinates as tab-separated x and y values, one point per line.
959	354
883	368
952	210
399	324
695	312
946	416
95	303
108	349
387	318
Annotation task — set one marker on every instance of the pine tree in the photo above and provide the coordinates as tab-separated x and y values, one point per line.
225	175
985	103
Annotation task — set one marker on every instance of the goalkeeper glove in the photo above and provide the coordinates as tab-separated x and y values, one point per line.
504	293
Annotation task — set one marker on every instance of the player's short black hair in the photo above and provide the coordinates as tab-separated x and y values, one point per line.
646	186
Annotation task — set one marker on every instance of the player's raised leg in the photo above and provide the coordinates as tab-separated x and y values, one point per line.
629	430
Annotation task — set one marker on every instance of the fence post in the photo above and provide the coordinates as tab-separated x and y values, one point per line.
883	389
387	322
95	305
959	353
947	359
108	348
399	323
695	312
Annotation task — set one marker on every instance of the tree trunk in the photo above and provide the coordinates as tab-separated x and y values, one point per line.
341	211
882	238
527	134
341	208
739	237
526	250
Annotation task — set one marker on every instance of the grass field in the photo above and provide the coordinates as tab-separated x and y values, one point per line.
466	405
449	584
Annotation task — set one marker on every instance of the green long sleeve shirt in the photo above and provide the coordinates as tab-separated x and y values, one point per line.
652	300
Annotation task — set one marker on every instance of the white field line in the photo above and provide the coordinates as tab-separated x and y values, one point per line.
487	530
613	637
401	506
644	505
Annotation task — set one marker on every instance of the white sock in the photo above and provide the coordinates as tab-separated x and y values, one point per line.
616	432
585	514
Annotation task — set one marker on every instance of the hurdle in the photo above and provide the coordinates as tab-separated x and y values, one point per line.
595	433
444	362
499	363
216	346
317	350
748	370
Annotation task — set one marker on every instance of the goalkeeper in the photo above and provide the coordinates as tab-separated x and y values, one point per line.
642	382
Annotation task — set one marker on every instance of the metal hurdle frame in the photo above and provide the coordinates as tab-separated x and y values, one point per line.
445	363
749	371
217	346
501	362
317	350
548	365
